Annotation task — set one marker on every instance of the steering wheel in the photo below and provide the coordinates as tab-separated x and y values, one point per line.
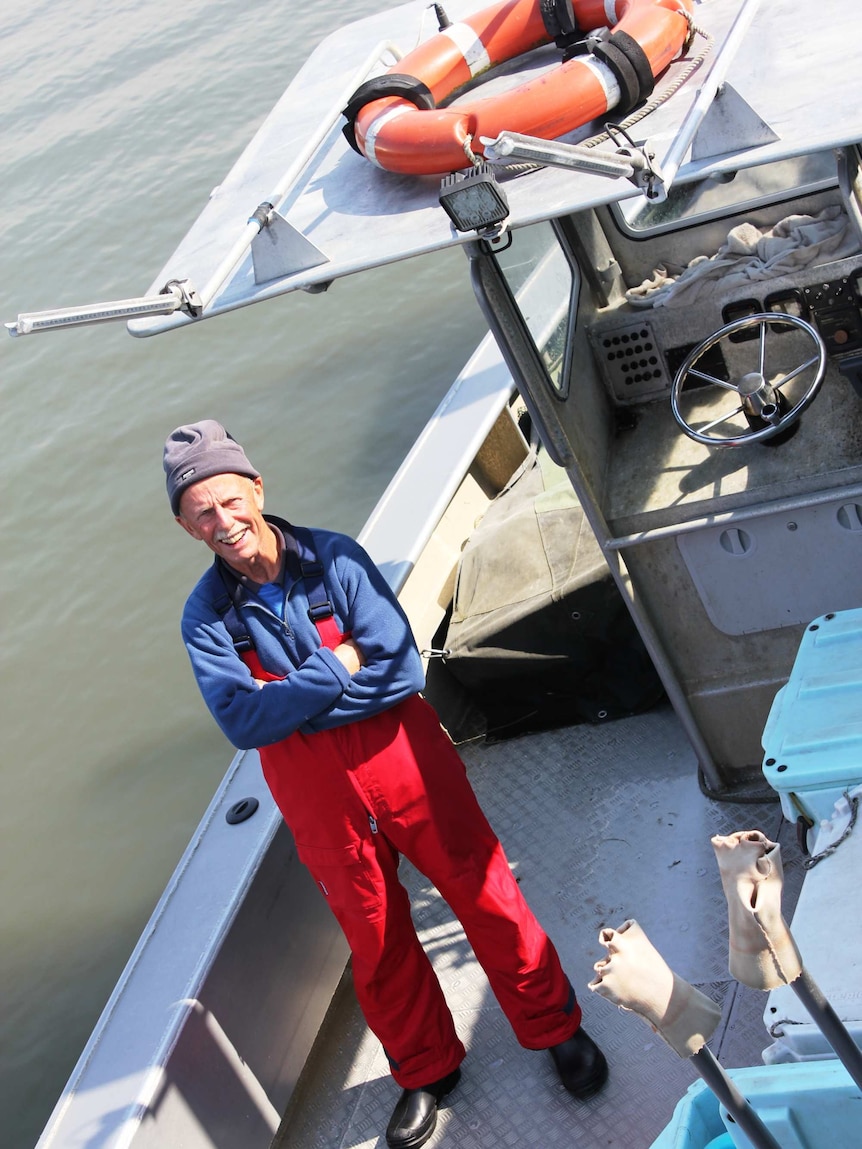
765	407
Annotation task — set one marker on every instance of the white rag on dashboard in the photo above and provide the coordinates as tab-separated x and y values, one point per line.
749	255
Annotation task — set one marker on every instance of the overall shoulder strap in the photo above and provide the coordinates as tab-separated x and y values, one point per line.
319	605
225	604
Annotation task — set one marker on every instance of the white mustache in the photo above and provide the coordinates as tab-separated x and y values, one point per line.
230	537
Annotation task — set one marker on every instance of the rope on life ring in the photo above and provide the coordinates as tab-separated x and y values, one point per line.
396	119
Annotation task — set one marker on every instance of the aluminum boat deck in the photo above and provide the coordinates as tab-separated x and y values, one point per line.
600	823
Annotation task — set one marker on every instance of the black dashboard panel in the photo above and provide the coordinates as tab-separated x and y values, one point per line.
835	312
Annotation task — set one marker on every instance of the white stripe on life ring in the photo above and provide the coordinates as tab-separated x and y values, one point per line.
377	123
470	47
605	77
611	12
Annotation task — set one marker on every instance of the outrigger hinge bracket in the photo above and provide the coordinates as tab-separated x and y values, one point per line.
629	161
646	174
176	295
191	304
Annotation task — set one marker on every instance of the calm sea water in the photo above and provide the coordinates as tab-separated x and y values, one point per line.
118	118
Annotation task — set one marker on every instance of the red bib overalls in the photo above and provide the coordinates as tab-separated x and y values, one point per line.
357	796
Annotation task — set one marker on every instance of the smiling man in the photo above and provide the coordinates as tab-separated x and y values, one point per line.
301	651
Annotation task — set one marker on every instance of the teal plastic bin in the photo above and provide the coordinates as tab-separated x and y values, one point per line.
804	1106
813	735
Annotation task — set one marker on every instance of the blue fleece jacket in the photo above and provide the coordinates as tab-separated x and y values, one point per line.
317	692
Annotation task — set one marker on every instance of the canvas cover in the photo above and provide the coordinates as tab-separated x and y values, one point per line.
539	634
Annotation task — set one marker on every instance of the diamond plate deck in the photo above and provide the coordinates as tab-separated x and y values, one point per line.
600	824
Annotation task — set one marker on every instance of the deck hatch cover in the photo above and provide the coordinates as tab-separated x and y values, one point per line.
748	574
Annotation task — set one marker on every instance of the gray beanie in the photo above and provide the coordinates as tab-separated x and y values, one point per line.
199	451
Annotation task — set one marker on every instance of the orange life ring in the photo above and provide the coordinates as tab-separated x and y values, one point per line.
407	132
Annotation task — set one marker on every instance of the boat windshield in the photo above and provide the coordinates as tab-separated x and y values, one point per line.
545	285
720	194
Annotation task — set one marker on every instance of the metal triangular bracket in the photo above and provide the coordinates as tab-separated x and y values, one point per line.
279	250
729	125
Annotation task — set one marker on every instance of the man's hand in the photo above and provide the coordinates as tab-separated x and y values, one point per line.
350	656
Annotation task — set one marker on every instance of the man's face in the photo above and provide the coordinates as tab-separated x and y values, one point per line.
225	512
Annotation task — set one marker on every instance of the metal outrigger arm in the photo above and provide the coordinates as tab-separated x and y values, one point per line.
626	162
176	295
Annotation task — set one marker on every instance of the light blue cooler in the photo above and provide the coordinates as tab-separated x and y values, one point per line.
804	1106
813	735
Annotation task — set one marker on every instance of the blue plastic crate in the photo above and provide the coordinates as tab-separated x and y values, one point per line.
813	735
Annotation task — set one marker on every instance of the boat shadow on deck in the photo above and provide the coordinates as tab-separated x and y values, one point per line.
600	824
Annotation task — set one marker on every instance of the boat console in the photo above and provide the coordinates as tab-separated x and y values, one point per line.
659	474
715	446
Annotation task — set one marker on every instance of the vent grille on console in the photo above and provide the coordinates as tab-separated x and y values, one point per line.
632	364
